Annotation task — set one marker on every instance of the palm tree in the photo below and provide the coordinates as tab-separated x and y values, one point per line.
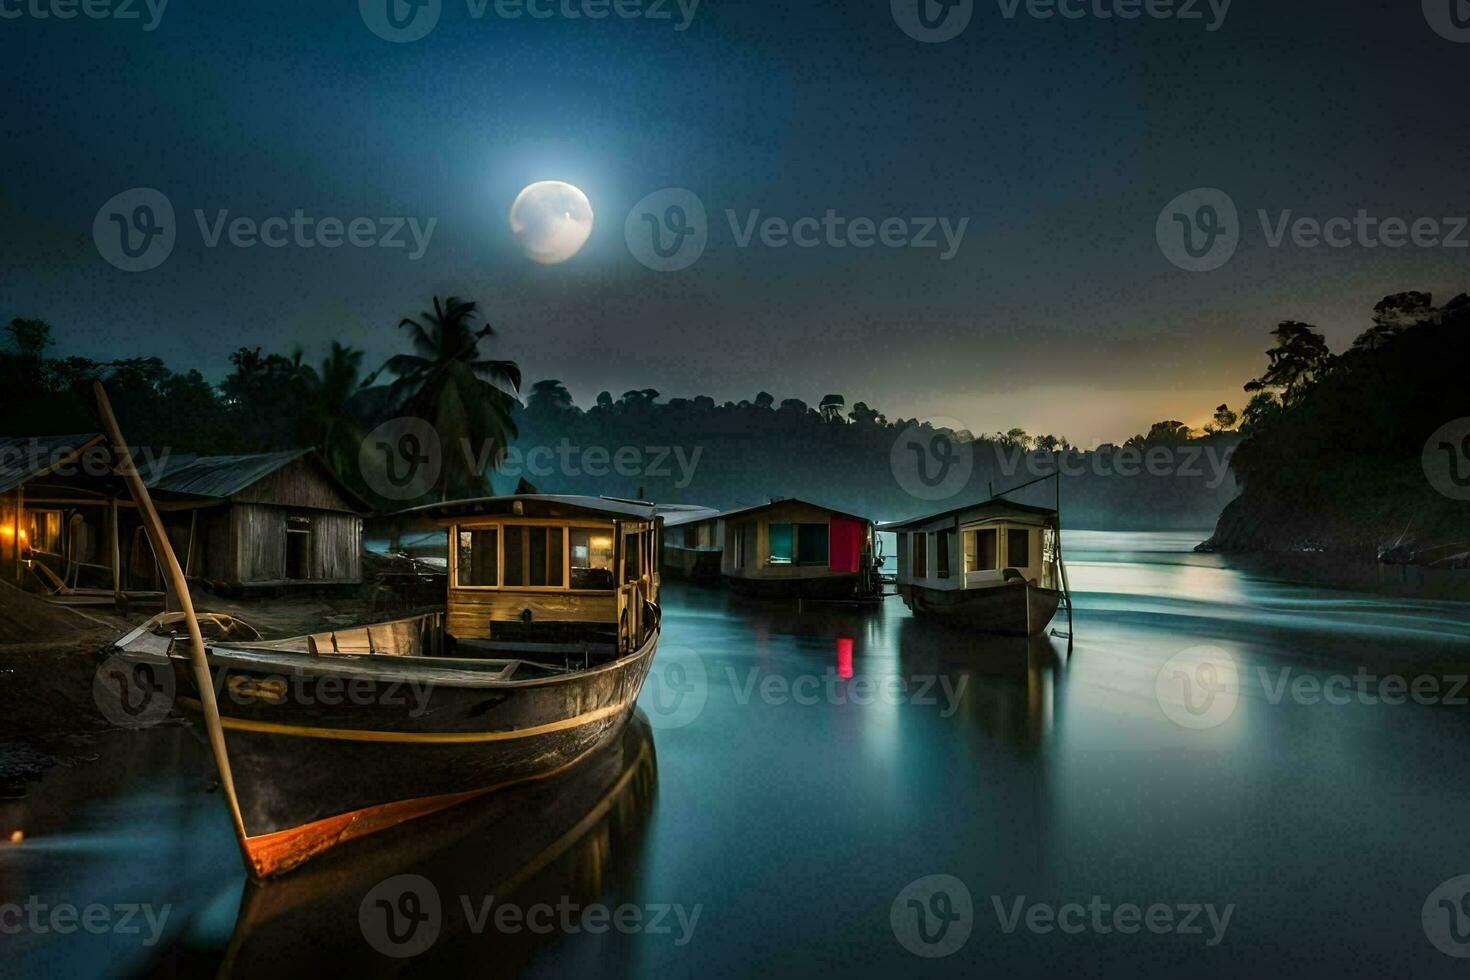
466	398
327	423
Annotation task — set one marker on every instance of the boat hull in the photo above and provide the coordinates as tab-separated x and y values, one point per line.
1013	609
837	586
324	750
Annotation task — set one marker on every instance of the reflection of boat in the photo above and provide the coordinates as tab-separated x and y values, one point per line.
1009	683
551	625
571	838
995	567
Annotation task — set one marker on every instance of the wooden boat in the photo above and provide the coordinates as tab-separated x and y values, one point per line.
551	625
792	549
994	567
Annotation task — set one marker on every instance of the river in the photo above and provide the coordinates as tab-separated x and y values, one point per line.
1223	773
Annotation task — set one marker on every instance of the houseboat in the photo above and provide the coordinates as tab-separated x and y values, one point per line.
550	627
794	549
994	566
693	542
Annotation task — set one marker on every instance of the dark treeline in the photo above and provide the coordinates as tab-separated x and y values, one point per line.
1337	453
685	450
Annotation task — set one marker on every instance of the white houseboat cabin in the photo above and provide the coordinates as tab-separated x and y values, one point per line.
994	566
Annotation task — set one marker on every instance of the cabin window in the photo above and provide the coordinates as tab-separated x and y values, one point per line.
942	541
812	544
901	558
921	555
704	535
533	556
478	557
980	550
1018	548
783	544
44	533
632	557
592	558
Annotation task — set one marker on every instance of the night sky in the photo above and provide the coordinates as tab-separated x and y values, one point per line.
1059	139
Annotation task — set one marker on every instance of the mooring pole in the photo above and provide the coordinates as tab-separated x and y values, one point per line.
164	552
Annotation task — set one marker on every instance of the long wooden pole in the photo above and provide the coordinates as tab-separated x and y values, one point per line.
166	558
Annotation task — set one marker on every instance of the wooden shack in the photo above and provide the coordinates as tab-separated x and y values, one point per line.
69	529
269	519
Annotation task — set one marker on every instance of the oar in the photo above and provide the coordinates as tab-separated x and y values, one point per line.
164	552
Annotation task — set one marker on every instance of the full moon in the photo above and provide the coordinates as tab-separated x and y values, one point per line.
551	221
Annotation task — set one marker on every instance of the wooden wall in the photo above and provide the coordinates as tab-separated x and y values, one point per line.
472	610
257	545
303	484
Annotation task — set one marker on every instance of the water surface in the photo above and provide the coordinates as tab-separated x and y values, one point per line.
794	770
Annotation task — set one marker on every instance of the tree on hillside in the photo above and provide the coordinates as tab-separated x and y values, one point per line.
1393	315
1223	419
831	408
549	398
1300	355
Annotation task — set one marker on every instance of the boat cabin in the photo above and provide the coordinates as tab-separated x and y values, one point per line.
579	572
793	548
978	546
693	542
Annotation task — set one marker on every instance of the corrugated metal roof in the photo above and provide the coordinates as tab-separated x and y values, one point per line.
993	505
777	501
676	515
535	505
220	476
24	458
